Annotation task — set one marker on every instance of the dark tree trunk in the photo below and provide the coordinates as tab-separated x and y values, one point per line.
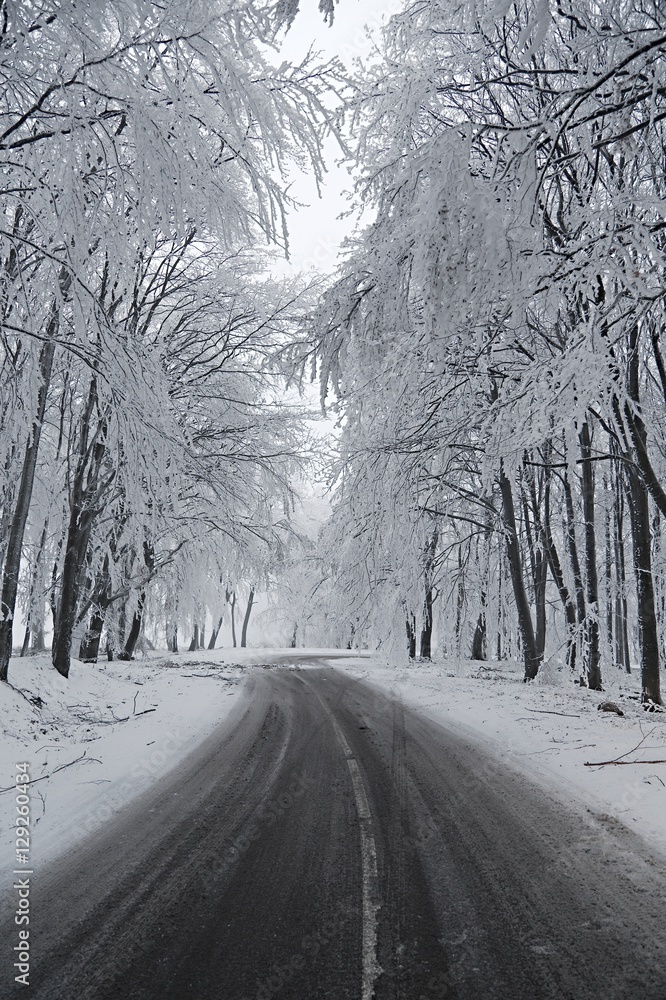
539	567
172	637
135	629
540	581
231	598
499	651
572	549
608	580
87	490
460	601
531	655
647	621
215	633
34	583
479	637
89	648
429	598
592	656
19	519
194	644
639	513
426	631
558	577
26	641
246	618
137	619
101	601
411	636
621	617
352	633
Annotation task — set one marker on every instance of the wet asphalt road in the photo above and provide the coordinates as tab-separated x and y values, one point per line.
327	843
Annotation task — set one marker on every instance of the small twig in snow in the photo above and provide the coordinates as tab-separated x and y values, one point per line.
43	798
545	711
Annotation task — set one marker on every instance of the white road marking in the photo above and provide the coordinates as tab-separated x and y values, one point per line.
342	740
370	893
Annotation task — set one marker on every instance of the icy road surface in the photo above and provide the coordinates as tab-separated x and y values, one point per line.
326	842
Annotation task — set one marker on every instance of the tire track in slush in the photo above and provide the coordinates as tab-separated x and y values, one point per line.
370	881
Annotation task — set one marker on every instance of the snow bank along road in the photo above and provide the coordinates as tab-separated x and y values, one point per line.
327	842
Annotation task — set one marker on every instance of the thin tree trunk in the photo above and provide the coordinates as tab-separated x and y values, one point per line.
572	549
12	564
215	633
647	620
539	567
592	655
479	637
232	602
26	641
87	489
558	576
460	602
608	582
246	618
135	629
621	622
34	583
172	636
426	631
137	620
410	623
531	656
639	512
89	648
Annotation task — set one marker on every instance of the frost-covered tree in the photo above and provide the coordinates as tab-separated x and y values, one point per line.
122	129
501	314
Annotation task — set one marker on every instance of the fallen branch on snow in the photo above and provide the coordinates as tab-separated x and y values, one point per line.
618	760
33	781
544	711
603	763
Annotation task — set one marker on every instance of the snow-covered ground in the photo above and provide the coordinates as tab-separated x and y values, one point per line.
103	737
549	730
97	740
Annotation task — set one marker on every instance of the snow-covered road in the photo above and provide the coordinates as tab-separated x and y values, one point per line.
249	868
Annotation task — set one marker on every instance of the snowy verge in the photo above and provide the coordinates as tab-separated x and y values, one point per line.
99	739
548	730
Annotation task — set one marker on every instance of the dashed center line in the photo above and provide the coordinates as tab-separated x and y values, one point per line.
370	889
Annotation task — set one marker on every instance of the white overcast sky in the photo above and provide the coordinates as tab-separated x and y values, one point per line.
316	232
